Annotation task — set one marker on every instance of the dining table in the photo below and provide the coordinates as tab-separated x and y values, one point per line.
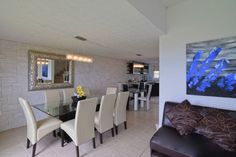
136	92
63	110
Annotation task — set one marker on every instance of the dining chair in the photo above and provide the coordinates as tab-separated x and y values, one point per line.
120	87
147	98
36	130
131	95
52	97
125	87
81	129
120	110
111	90
104	118
67	94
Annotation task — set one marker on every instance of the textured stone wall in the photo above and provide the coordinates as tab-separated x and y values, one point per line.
103	72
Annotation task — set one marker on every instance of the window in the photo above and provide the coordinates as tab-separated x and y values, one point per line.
45	70
156	74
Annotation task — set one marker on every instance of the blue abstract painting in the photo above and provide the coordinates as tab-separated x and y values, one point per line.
211	68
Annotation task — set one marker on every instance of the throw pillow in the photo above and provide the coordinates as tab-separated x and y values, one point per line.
220	127
184	117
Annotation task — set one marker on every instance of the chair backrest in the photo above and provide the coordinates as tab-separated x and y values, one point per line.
120	108
111	90
105	114
149	91
141	86
84	120
120	87
52	97
136	85
67	94
125	87
30	120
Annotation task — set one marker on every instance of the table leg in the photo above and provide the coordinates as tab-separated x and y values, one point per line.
142	102
135	101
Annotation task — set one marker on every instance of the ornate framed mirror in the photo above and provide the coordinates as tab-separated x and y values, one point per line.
49	71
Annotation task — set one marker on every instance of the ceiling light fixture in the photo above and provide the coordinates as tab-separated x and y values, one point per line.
138	65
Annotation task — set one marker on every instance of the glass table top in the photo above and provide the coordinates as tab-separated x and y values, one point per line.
56	109
135	90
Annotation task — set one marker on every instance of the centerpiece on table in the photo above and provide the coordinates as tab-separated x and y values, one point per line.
80	91
80	95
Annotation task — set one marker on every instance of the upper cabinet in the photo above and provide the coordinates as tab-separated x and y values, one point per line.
137	68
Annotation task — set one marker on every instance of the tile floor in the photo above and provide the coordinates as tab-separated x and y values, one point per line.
133	142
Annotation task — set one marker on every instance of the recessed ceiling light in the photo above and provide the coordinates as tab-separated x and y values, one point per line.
138	54
80	38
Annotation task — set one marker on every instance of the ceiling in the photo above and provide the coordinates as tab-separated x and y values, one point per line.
112	28
169	3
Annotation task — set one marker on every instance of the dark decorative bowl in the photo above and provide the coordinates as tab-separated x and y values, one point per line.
76	99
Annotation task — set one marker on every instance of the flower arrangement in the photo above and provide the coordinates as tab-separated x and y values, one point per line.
80	91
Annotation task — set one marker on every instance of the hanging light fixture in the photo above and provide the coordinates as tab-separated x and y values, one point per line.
138	65
79	58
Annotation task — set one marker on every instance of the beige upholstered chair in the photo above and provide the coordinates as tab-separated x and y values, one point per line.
147	98
120	110
37	130
81	129
111	90
52	97
67	94
104	118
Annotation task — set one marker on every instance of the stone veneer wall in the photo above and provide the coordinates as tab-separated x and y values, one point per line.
103	72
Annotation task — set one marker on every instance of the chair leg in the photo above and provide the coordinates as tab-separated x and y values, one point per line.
125	124
34	150
142	103
54	133
116	129
28	143
62	138
127	107
101	141
112	132
94	143
148	104
77	150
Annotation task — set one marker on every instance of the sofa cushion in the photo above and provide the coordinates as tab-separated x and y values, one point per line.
220	127
184	117
157	154
167	141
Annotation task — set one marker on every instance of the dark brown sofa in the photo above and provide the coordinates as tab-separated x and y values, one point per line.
167	142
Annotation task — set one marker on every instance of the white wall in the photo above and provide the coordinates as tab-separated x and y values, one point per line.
192	21
14	79
102	73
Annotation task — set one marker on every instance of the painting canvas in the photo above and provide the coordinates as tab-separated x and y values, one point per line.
211	68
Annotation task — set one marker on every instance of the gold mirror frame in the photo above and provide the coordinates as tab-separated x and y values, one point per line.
32	70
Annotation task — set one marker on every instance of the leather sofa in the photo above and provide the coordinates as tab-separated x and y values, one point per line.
167	142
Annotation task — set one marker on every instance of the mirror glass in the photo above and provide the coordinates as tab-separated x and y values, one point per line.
52	71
